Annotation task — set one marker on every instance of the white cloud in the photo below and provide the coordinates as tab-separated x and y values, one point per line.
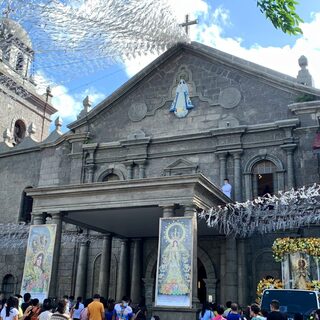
180	8
283	59
68	104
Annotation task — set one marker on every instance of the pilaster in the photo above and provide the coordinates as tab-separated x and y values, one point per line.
56	219
167	211
122	278
231	274
104	275
81	278
222	156
289	148
237	190
135	291
37	218
190	211
129	167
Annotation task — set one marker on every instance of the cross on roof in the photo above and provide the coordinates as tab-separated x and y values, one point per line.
188	23
6	12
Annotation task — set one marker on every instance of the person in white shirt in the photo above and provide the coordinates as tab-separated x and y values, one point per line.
226	188
46	310
77	309
10	310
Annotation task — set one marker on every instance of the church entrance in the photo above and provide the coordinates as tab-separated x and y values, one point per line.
202	289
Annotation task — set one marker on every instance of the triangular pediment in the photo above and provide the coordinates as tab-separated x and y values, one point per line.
281	81
179	167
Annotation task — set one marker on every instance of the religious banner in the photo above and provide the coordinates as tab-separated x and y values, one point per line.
175	258
38	261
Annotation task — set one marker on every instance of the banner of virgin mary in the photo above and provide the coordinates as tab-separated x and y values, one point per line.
38	261
174	268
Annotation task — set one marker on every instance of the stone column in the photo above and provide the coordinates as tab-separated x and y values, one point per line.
57	220
231	274
248	185
135	292
237	187
190	211
168	211
242	273
142	168
222	156
129	166
90	172
122	277
222	297
81	278
148	291
211	285
37	218
290	164
104	275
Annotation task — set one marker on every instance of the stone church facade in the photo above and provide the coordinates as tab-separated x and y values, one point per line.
130	161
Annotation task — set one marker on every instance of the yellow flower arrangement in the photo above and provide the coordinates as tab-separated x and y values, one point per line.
313	285
268	284
282	246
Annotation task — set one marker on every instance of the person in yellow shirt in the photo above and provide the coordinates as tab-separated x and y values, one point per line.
96	309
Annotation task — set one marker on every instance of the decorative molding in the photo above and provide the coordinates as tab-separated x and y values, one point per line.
180	167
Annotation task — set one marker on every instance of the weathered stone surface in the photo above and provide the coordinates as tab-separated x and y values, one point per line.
134	132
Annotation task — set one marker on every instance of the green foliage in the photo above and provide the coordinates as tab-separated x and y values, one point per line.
282	14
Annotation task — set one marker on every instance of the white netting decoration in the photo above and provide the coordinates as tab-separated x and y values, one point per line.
287	210
76	37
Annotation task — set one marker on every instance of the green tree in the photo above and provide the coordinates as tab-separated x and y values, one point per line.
282	14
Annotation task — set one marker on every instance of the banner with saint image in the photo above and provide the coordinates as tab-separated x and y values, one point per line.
175	258
38	261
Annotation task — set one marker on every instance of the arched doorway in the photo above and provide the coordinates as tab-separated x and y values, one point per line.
202	288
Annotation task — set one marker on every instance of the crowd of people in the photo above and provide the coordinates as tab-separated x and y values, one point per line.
213	311
97	308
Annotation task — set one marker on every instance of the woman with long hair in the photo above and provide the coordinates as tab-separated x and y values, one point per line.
206	313
10	311
77	309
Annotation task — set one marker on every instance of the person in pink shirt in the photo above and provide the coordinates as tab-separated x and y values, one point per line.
220	311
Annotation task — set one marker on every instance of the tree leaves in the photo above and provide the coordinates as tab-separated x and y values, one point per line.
282	14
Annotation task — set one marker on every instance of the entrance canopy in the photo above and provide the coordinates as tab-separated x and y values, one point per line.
128	208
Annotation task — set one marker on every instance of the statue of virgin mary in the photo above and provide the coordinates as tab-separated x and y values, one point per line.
182	103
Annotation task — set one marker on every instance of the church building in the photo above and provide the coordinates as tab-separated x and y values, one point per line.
159	146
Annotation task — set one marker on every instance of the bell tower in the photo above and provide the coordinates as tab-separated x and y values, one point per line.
23	112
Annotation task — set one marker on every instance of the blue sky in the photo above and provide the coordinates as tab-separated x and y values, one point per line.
233	26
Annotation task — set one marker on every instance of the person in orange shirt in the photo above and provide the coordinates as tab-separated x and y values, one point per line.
96	309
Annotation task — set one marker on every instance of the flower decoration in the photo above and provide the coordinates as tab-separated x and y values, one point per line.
314	285
269	283
283	246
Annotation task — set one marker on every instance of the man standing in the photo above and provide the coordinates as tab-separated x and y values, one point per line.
96	309
234	314
275	313
226	188
122	311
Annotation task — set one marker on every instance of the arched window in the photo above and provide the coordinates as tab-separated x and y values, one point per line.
19	132
264	177
20	62
111	177
8	285
26	207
